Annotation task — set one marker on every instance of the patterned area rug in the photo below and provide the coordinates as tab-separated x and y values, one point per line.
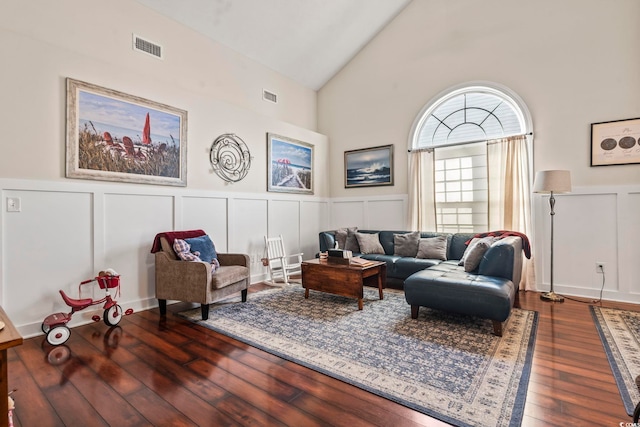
450	367
620	334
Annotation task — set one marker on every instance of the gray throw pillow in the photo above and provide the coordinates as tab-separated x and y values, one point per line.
341	236
488	240
433	248
352	242
369	243
406	244
473	258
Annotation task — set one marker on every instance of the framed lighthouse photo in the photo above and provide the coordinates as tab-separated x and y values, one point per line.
289	165
113	136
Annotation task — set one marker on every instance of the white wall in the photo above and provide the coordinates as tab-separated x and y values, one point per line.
69	229
573	62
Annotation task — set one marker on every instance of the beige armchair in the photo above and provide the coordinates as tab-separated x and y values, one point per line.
193	282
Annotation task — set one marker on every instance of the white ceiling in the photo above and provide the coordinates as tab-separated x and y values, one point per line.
306	40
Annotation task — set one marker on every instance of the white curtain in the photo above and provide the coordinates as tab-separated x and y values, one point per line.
510	193
422	204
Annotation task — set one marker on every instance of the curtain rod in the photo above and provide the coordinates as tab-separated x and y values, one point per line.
455	144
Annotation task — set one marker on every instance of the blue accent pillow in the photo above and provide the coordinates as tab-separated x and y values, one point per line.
205	246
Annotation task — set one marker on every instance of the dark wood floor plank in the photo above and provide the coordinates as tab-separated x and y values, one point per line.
33	408
260	399
167	367
157	411
284	391
191	405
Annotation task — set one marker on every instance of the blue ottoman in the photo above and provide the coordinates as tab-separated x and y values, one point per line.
448	287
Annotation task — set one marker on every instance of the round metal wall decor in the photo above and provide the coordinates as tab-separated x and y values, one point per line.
230	157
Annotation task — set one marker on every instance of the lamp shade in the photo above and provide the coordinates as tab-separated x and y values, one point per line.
558	181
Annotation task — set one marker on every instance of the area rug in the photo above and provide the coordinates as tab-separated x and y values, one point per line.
620	334
447	366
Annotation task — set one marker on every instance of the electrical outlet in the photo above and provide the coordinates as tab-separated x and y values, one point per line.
599	267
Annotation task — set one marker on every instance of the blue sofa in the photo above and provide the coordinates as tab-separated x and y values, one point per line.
490	291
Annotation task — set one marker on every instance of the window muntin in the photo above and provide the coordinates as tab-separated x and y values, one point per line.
461	192
471	114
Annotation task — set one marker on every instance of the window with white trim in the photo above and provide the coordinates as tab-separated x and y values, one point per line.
457	126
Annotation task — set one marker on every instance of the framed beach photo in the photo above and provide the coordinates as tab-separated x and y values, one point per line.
289	165
615	143
368	167
113	136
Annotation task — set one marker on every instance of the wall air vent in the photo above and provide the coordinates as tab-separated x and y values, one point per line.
146	46
269	96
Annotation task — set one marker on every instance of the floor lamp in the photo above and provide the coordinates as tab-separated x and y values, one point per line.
552	181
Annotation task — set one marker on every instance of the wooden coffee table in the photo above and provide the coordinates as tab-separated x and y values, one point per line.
341	279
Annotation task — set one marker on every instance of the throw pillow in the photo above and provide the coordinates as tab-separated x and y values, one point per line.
433	248
369	243
471	245
341	236
183	250
406	244
205	246
473	258
352	241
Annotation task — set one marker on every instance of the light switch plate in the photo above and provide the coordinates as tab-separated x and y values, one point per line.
13	204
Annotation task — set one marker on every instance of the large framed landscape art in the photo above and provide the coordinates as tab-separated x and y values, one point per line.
113	136
289	165
368	167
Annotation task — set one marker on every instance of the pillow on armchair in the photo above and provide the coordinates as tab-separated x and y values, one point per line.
183	250
205	246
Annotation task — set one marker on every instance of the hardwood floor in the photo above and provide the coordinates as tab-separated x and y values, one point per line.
170	372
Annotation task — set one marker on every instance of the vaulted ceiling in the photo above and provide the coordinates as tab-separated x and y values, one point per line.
306	40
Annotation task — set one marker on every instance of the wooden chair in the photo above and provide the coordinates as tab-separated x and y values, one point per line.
281	265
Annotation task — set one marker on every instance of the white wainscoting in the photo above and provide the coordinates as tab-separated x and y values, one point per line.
67	231
592	224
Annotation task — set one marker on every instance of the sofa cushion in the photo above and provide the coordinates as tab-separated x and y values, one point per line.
369	243
390	260
228	275
458	244
433	248
406	266
204	245
406	244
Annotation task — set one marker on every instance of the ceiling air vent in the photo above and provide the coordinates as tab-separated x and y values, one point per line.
269	96
146	46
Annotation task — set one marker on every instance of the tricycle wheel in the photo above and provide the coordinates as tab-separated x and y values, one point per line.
45	328
58	335
113	315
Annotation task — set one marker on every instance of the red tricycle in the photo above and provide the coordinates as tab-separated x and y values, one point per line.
55	325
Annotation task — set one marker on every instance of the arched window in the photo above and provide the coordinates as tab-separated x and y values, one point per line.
469	114
456	126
